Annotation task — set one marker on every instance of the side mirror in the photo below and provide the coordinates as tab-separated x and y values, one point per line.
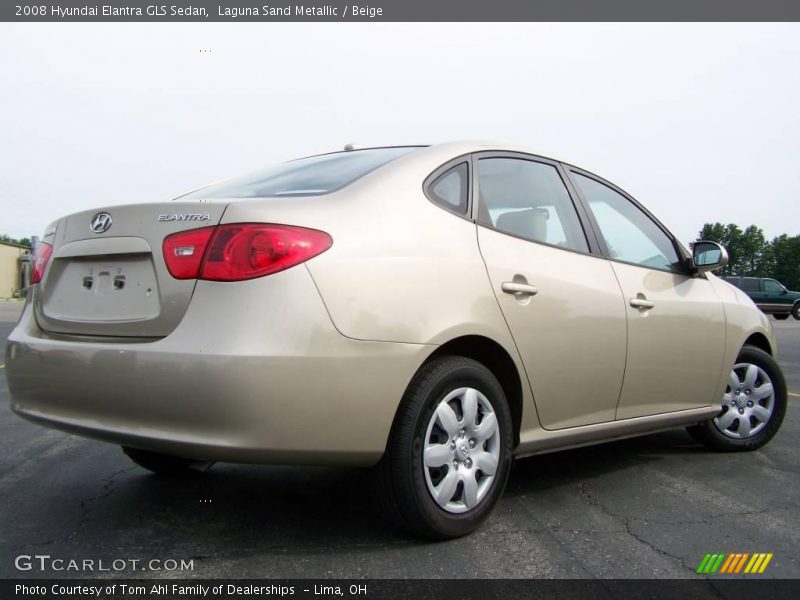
708	256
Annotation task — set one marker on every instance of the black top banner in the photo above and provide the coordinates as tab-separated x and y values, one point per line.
401	10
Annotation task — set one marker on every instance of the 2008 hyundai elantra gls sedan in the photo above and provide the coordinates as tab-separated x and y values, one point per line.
432	312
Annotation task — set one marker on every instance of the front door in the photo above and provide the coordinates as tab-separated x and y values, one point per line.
775	297
676	323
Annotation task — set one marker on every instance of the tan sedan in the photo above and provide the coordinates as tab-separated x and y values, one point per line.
429	311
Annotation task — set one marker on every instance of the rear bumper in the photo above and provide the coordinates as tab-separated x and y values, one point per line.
255	372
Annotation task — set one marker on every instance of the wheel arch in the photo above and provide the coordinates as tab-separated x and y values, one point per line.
495	358
760	341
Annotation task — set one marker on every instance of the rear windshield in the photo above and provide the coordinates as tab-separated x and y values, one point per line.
303	177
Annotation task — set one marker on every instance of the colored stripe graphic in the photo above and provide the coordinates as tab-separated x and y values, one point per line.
727	564
734	563
716	566
754	562
730	566
740	564
718	563
766	562
711	563
703	563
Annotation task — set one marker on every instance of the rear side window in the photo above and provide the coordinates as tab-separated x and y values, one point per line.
750	285
451	189
528	199
310	176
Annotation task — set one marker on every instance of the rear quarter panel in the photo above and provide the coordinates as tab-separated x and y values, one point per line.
401	269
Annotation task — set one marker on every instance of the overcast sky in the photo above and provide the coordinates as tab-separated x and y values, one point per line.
700	122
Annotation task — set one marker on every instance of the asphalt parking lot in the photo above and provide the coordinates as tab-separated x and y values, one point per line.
649	507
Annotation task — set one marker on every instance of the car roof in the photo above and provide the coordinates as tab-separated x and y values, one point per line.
451	149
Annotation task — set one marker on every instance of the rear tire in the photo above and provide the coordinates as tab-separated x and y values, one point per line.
449	451
781	317
163	464
753	406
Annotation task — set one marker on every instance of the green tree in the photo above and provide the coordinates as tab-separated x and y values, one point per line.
712	232
10	240
752	251
785	254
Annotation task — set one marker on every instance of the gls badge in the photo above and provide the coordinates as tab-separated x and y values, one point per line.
185	217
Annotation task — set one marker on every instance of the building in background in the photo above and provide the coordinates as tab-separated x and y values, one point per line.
15	265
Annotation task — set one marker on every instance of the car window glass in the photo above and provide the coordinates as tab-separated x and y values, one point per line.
310	176
630	235
750	285
528	199
772	287
450	189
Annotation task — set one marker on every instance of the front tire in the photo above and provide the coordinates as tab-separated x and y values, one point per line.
753	406
449	451
796	311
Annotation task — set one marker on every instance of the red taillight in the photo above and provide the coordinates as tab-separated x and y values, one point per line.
184	251
43	254
241	251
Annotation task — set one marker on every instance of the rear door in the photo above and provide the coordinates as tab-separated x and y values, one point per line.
676	324
107	275
562	303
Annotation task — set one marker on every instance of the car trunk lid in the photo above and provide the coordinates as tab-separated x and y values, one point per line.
107	275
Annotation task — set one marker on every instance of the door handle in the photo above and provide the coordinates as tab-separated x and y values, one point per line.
512	287
641	303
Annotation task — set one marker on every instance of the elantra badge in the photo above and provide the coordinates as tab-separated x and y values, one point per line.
186	217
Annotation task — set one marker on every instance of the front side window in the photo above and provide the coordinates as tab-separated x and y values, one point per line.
630	235
310	176
451	189
772	287
528	199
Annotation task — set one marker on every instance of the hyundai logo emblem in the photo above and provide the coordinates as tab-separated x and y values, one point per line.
101	222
